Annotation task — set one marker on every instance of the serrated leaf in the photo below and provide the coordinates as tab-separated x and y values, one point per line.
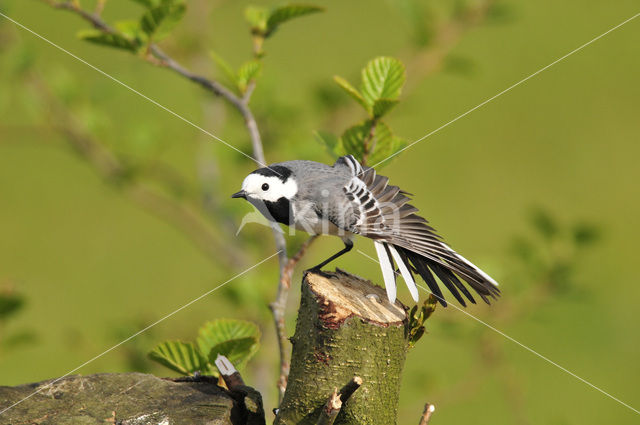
182	357
331	143
248	71
351	91
257	18
382	78
352	140
238	340
159	21
384	145
238	351
106	39
225	67
282	14
130	29
327	139
382	106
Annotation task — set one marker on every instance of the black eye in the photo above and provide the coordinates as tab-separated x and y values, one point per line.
265	187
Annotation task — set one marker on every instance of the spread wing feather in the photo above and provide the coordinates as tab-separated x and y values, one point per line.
384	215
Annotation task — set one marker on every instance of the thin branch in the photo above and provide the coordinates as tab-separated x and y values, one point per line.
181	214
278	309
426	415
94	18
99	7
160	58
330	410
335	402
230	375
350	388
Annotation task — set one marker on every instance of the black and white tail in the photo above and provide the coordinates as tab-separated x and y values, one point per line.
405	239
451	271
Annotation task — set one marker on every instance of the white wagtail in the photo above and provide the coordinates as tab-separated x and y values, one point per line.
347	199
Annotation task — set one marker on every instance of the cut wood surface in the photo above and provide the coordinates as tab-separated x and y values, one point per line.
346	327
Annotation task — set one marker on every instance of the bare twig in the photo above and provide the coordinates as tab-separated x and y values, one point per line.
251	399
99	7
230	375
330	410
278	309
158	57
350	388
335	402
180	213
426	415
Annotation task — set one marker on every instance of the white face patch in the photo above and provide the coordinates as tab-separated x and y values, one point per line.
268	188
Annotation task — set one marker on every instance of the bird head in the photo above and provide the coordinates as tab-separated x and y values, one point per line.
269	184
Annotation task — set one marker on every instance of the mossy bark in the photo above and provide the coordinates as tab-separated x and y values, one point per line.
346	327
129	399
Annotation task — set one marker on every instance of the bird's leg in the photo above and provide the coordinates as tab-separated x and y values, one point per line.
348	244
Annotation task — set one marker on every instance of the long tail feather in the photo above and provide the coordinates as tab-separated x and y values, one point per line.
426	267
406	274
388	272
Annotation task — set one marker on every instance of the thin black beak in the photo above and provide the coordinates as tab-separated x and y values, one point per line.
241	194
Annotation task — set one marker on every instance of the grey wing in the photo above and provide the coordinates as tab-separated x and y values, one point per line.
382	212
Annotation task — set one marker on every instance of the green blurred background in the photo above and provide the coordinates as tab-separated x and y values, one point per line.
514	186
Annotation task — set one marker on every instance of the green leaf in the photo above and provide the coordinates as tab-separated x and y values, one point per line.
544	223
17	339
148	3
415	328
159	21
225	67
112	40
585	234
131	30
238	340
282	14
384	144
331	143
382	78
352	140
351	91
248	72
382	106
182	357
10	303
327	139
257	18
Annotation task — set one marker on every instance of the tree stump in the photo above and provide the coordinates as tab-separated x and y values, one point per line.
346	327
129	399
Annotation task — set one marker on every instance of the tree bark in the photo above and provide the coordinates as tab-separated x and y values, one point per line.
346	326
130	399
